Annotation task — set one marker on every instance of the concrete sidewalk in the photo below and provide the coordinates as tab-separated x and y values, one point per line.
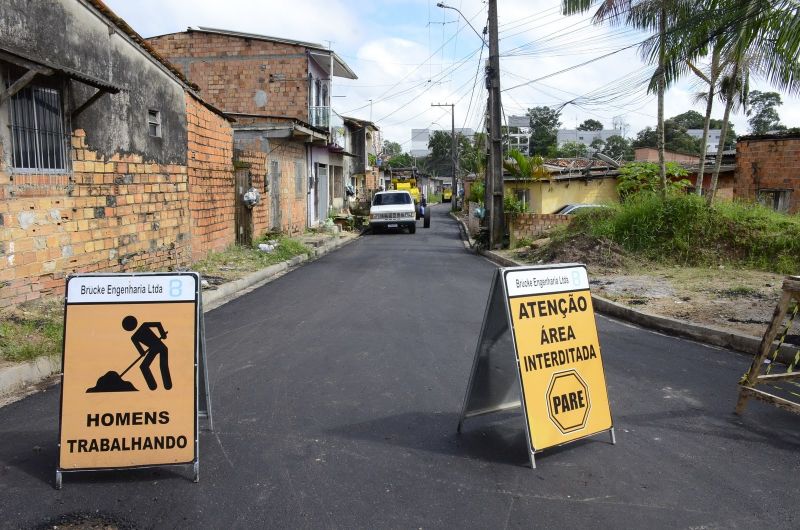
18	380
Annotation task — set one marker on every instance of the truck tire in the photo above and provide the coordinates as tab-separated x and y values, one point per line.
412	229
427	222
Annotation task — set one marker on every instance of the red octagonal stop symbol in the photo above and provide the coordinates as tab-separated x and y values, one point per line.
568	401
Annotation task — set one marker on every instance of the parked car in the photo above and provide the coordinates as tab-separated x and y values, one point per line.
392	210
572	208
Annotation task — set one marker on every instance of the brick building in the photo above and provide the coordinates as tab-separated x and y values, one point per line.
109	159
279	92
768	170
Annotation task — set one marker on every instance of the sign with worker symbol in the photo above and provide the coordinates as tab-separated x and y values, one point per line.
129	384
545	315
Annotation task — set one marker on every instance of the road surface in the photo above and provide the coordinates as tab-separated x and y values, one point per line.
336	393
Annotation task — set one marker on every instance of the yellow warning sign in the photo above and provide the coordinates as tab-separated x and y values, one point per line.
558	353
129	392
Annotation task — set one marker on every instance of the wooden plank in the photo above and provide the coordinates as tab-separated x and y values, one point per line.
778	377
88	102
779	402
766	342
18	85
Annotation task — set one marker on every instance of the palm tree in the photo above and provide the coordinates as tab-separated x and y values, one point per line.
759	38
524	168
658	16
711	77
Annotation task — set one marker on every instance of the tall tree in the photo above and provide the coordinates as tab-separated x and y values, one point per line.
762	113
544	129
618	147
391	149
590	125
440	145
758	37
653	15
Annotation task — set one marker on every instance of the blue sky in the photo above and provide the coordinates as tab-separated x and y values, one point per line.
410	53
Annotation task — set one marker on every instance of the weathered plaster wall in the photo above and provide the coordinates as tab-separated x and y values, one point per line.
69	33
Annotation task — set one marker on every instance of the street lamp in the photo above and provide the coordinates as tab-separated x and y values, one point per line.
445	6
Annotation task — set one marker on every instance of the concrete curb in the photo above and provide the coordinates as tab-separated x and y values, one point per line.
14	379
715	336
18	377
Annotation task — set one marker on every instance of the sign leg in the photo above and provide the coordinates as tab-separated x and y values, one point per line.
613	436
533	459
59	478
196	471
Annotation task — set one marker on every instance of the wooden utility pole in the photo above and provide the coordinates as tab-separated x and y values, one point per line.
453	154
494	184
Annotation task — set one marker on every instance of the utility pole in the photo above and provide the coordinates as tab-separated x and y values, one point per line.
495	184
453	156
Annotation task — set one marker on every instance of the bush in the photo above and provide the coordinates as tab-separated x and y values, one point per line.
477	192
684	229
512	205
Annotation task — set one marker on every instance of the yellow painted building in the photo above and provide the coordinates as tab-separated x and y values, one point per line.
547	196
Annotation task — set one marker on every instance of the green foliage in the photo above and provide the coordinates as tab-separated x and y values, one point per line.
32	330
523	242
544	128
523	167
477	192
572	150
391	149
512	205
676	139
643	177
401	160
236	261
590	125
441	146
683	229
762	113
373	160
618	147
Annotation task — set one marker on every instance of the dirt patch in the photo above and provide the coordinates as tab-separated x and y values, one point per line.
735	299
591	251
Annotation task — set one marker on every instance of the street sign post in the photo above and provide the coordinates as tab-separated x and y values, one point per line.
115	414
544	315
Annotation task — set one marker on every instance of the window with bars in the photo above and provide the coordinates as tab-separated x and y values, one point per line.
37	130
299	178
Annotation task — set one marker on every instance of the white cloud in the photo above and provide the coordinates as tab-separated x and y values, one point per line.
385	42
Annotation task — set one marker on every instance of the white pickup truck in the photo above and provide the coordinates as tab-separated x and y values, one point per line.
392	210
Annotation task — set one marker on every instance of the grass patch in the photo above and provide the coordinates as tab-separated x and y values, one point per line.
236	261
32	330
684	230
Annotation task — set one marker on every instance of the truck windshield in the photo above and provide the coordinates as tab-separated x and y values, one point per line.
391	198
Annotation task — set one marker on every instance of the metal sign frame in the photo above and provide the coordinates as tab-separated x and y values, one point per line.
485	380
202	407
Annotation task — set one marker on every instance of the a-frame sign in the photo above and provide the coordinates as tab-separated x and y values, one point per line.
538	348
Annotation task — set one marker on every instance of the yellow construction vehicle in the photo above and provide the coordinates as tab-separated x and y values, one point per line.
447	194
409	184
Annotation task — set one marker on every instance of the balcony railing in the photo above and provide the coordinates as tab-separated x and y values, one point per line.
319	116
338	137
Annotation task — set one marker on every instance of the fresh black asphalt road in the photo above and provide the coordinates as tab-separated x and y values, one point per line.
336	393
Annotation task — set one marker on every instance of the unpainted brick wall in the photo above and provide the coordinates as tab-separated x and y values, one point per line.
113	215
293	205
533	225
242	75
212	191
768	163
257	162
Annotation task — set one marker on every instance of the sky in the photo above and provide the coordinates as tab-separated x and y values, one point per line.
410	54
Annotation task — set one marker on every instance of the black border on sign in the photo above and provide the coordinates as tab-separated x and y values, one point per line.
197	315
506	271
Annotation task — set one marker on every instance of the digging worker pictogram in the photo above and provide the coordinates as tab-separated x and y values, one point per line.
149	345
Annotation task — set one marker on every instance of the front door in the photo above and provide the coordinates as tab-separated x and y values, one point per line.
243	216
274	194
